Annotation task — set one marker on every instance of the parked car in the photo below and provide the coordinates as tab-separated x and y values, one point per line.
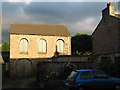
91	79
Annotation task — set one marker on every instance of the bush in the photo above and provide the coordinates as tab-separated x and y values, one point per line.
6	46
110	67
6	50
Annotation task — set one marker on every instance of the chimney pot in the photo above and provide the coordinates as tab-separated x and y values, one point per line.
110	3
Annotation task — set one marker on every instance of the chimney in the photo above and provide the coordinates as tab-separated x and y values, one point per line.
109	4
110	10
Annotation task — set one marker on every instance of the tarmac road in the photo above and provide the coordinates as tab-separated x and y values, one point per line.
24	83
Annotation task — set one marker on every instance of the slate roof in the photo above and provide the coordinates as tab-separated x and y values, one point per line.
38	29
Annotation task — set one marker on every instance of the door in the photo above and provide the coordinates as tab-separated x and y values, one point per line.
23	68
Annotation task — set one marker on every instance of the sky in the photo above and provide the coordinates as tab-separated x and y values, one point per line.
0	7
80	16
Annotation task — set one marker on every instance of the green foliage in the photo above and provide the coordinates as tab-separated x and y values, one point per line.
76	53
82	34
87	53
6	46
6	51
81	43
0	48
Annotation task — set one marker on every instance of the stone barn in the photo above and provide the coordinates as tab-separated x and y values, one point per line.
32	43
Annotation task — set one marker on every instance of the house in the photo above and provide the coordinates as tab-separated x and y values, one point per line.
106	37
32	43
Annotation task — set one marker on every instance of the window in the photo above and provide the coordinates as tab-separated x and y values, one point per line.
99	75
60	46
73	74
42	46
24	46
86	75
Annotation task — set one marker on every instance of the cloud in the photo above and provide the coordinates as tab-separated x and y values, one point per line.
119	7
17	0
60	1
26	1
78	17
11	18
5	35
0	7
63	12
87	25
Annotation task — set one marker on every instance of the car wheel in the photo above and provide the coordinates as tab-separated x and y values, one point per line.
117	87
81	88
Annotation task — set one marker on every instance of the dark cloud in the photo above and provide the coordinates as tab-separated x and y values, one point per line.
71	12
119	7
77	16
0	7
5	35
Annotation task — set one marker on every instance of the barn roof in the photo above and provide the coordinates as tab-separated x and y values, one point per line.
38	29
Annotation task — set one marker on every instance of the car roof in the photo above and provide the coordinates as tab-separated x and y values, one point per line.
83	70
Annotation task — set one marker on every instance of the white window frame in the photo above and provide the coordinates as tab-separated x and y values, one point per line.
42	46
24	44
60	45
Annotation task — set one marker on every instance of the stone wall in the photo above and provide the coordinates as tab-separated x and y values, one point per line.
62	66
105	37
13	67
84	61
58	64
33	46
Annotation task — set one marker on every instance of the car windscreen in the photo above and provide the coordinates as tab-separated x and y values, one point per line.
73	75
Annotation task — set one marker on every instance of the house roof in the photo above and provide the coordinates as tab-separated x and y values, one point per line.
38	29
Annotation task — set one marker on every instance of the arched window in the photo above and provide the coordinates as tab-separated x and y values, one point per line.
42	46
24	45
60	46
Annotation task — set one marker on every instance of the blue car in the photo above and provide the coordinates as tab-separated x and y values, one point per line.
91	79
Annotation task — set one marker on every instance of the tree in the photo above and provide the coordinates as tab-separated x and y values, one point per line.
81	44
6	46
6	50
